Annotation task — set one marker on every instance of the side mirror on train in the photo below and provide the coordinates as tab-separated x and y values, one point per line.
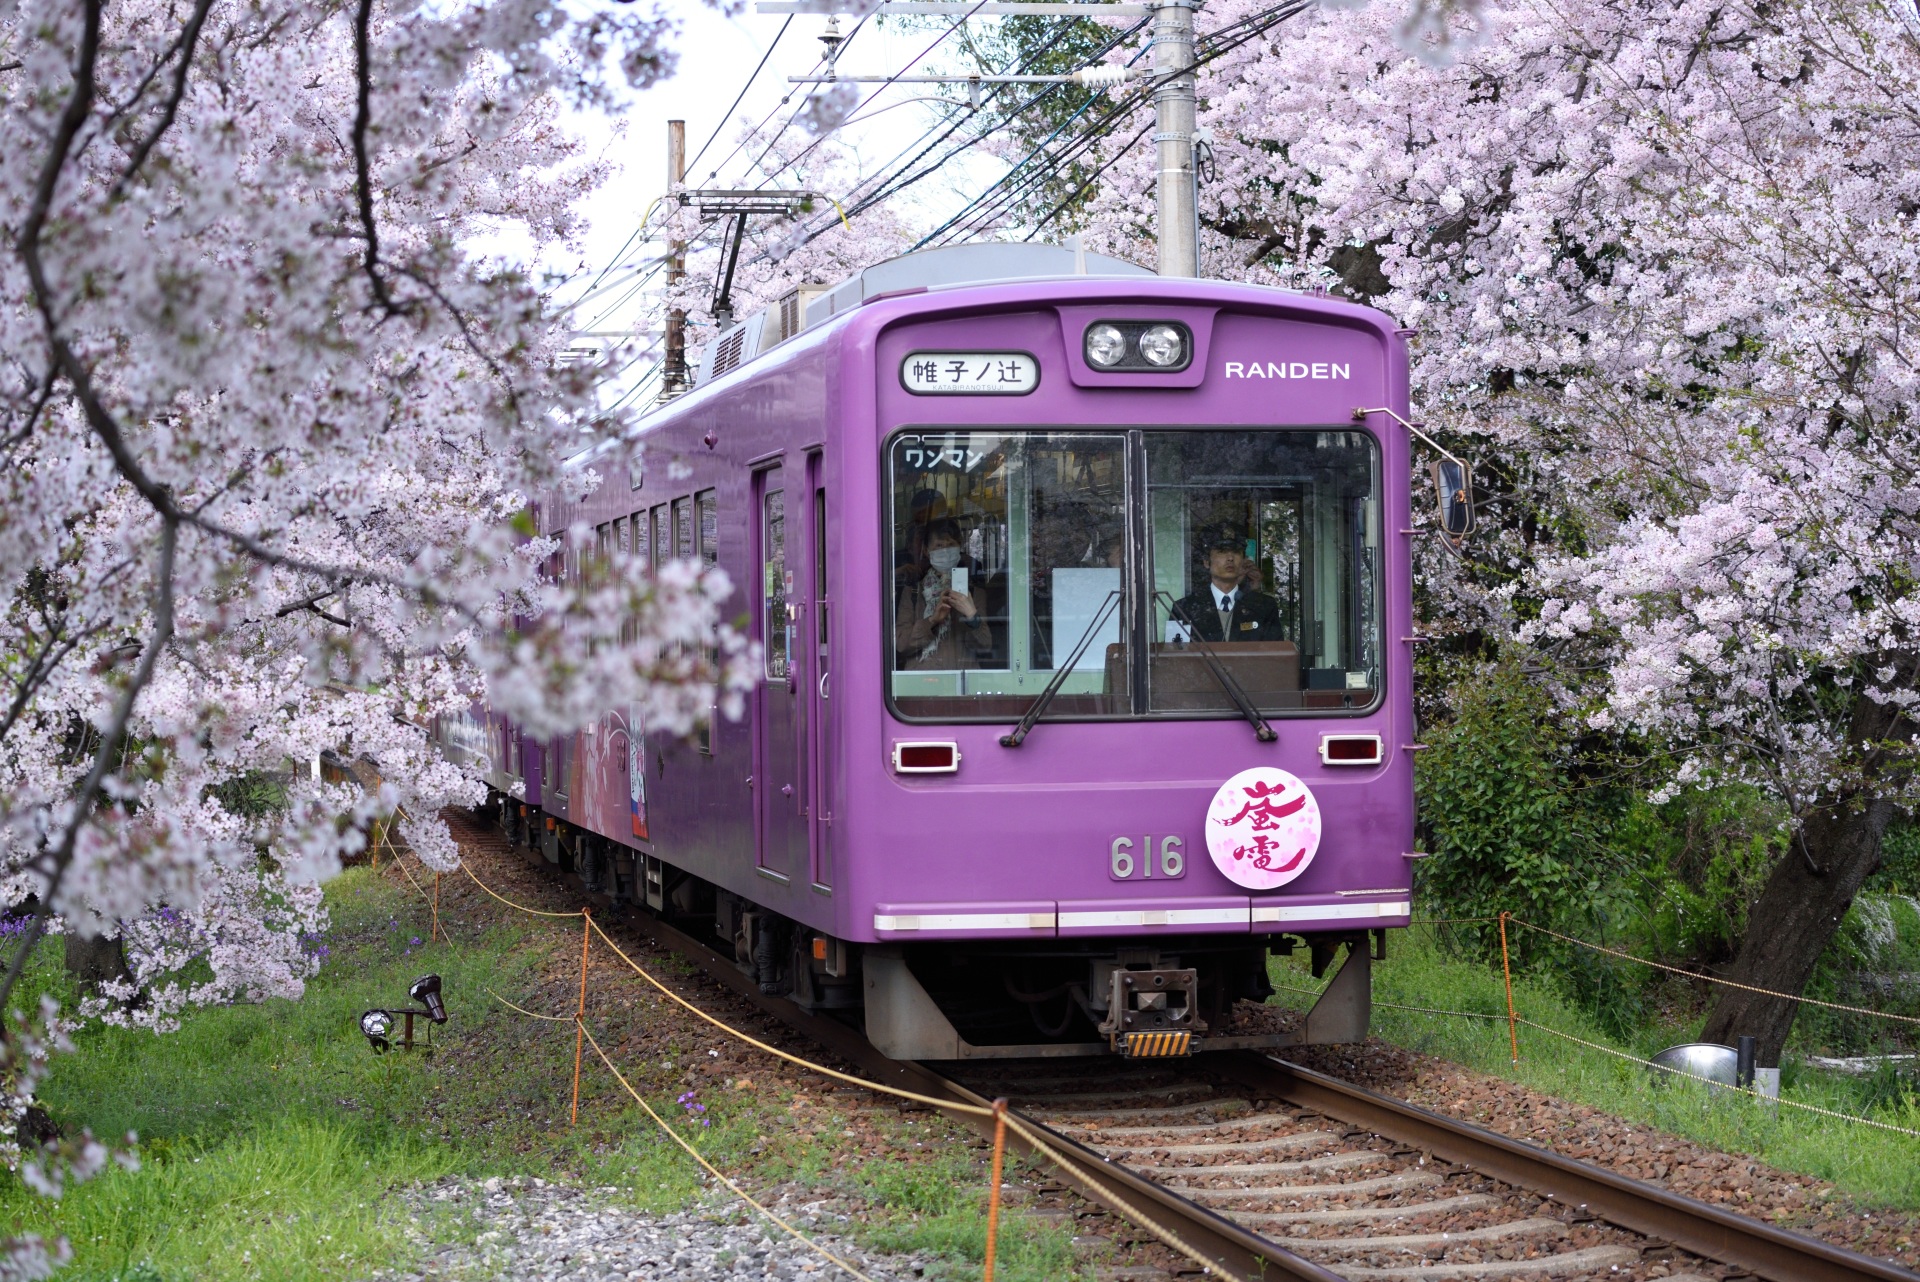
1453	486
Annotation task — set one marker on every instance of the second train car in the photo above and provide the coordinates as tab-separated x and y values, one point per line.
1085	603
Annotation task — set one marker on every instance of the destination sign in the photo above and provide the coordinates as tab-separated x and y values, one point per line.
969	373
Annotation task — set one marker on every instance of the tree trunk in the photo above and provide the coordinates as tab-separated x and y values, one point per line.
93	962
1792	922
1807	895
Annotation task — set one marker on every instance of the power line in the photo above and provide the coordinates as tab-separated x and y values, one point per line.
728	113
900	182
1216	45
888	83
988	204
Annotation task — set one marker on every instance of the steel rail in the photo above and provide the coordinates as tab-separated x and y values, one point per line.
1636	1205
1728	1237
1235	1251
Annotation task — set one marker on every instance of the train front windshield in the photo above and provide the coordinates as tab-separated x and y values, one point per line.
1143	563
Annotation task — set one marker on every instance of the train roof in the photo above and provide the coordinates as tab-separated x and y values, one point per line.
949	266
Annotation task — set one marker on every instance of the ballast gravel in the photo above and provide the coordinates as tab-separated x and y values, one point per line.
538	1229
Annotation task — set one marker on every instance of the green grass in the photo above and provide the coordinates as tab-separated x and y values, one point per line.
939	1206
273	1142
1876	1166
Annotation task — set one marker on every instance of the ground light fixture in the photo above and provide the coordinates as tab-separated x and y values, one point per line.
377	1024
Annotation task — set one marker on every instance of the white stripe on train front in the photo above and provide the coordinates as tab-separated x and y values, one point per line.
1157	917
963	921
1313	371
1329	912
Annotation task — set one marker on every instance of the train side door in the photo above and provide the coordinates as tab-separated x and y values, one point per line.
820	688
780	775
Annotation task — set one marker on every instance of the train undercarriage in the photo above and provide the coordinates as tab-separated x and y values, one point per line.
1166	996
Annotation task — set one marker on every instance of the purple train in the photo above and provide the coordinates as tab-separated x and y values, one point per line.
1085	603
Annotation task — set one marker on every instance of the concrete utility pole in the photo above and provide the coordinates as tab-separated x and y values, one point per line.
673	371
1176	198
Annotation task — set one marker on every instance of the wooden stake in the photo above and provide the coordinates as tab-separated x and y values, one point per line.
580	1019
1506	969
435	932
993	1195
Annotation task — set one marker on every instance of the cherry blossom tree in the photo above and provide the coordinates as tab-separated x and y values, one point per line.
1664	258
269	422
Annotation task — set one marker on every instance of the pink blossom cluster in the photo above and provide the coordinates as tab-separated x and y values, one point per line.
268	424
1664	264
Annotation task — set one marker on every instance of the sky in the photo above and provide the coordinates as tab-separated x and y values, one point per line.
716	55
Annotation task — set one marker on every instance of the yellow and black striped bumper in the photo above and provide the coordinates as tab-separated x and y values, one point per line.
1155	1045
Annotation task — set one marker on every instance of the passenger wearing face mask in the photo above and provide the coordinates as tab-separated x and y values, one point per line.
935	626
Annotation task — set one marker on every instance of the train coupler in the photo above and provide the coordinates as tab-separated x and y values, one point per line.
1152	1012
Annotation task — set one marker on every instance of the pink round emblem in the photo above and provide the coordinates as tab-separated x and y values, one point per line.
1263	828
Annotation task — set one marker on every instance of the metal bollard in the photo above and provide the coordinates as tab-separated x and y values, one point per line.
1743	1066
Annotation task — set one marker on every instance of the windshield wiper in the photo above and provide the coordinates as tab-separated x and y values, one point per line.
1018	735
1261	729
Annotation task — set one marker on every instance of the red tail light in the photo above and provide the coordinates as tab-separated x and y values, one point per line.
1350	750
926	758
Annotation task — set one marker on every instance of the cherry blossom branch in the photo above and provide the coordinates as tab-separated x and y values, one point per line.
54	864
185	46
363	171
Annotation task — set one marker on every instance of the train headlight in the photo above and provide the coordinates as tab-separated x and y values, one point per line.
1106	346
1163	345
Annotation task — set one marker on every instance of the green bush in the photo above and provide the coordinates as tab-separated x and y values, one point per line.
1506	828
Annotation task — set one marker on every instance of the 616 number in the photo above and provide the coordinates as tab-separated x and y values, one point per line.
1122	864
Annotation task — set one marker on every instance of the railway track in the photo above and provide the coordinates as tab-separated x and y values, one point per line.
1273	1171
1268	1170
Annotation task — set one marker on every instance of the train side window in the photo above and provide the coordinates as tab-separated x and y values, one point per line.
683	529
662	535
773	580
709	515
642	538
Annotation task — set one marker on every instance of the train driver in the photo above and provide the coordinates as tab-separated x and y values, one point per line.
1225	609
940	624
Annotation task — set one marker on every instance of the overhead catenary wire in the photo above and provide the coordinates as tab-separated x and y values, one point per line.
1209	48
639	230
938	40
739	97
900	181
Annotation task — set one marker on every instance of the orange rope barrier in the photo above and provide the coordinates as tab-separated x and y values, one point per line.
556	1019
993	1195
586	940
1038	1144
931	1101
1714	979
520	908
714	1171
1744	1090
